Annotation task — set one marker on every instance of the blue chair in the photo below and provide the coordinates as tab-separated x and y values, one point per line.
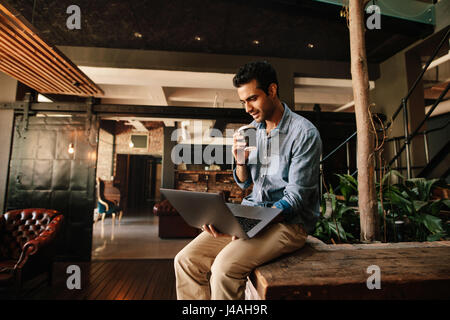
104	206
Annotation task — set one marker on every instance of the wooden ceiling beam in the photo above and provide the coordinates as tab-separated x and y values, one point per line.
20	28
46	69
21	50
10	51
24	46
15	70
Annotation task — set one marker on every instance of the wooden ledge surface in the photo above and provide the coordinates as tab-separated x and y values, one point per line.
320	271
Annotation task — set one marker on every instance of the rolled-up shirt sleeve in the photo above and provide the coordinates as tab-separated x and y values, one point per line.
301	192
245	184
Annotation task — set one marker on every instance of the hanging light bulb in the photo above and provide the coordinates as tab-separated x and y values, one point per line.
131	144
71	149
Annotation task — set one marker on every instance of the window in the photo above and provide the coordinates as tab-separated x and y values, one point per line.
139	141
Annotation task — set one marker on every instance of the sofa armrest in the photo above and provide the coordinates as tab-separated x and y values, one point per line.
43	239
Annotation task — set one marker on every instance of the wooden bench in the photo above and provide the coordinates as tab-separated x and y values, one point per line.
319	271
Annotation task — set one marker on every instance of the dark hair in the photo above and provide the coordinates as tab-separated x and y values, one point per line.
262	71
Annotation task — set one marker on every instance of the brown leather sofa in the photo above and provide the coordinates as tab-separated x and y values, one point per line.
171	224
28	243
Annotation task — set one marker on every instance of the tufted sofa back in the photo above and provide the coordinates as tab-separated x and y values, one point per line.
17	227
164	208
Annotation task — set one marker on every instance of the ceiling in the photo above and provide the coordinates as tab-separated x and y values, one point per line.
294	29
203	89
282	28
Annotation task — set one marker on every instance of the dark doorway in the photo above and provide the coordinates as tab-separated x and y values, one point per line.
139	177
143	181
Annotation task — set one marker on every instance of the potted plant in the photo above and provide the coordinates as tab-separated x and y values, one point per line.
408	211
338	221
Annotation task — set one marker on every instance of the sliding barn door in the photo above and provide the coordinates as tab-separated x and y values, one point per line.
44	174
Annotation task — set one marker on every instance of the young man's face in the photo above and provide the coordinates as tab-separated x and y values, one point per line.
256	102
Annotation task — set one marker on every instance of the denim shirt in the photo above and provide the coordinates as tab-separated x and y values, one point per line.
284	169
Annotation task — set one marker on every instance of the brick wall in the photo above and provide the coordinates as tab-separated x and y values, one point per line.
105	155
122	135
155	135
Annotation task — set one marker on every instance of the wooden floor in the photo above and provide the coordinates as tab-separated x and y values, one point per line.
112	280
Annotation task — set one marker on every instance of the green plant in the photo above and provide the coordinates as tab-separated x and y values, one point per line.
338	221
410	203
406	204
348	186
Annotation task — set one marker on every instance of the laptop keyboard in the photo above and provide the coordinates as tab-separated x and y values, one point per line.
247	223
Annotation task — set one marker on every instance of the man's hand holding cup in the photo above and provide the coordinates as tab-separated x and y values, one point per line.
241	148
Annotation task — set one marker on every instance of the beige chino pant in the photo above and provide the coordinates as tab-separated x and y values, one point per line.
217	268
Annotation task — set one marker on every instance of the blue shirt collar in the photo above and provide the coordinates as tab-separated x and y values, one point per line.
283	125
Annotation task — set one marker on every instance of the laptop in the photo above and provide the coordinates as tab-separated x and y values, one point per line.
200	208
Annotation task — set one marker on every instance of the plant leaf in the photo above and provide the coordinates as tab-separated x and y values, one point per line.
390	174
432	223
435	237
436	207
418	205
446	202
422	187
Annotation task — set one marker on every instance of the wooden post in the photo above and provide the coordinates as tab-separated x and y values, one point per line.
366	172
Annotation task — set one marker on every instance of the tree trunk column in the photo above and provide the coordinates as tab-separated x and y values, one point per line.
365	158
